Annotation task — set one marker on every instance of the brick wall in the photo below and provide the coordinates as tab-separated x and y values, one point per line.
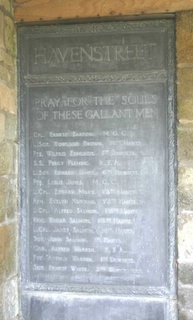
8	166
184	43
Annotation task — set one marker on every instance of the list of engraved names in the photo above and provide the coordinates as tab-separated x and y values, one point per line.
94	167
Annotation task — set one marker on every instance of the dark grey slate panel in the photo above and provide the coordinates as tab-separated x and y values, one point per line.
77	308
96	156
97	170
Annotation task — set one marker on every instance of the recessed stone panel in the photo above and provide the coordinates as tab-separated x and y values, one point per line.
52	307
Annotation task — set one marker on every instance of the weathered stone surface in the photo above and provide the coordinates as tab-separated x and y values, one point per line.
5	77
2	253
10	35
7	251
2	127
185	315
6	58
184	35
185	198
185	144
16	158
184	55
185	83
8	78
6	159
1	30
185	294
1	303
185	236
6	4
184	25
186	176
10	255
8	199
185	188
11	299
185	110
185	272
7	268
3	199
7	99
11	127
12	199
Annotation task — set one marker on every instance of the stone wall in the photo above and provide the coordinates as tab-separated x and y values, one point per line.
8	165
184	42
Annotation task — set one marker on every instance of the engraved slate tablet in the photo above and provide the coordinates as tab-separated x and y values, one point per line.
97	170
94	211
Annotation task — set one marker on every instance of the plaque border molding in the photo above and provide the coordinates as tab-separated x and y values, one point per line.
26	33
94	78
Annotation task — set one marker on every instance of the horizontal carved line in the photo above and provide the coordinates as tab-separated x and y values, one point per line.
115	290
87	78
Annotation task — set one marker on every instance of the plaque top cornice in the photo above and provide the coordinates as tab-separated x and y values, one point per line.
100	28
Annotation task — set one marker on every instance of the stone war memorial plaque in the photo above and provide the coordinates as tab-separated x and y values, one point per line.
97	171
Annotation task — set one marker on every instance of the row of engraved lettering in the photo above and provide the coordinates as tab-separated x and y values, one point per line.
72	153
102	114
110	172
78	220
84	230
80	249
106	100
90	134
57	211
77	201
85	269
